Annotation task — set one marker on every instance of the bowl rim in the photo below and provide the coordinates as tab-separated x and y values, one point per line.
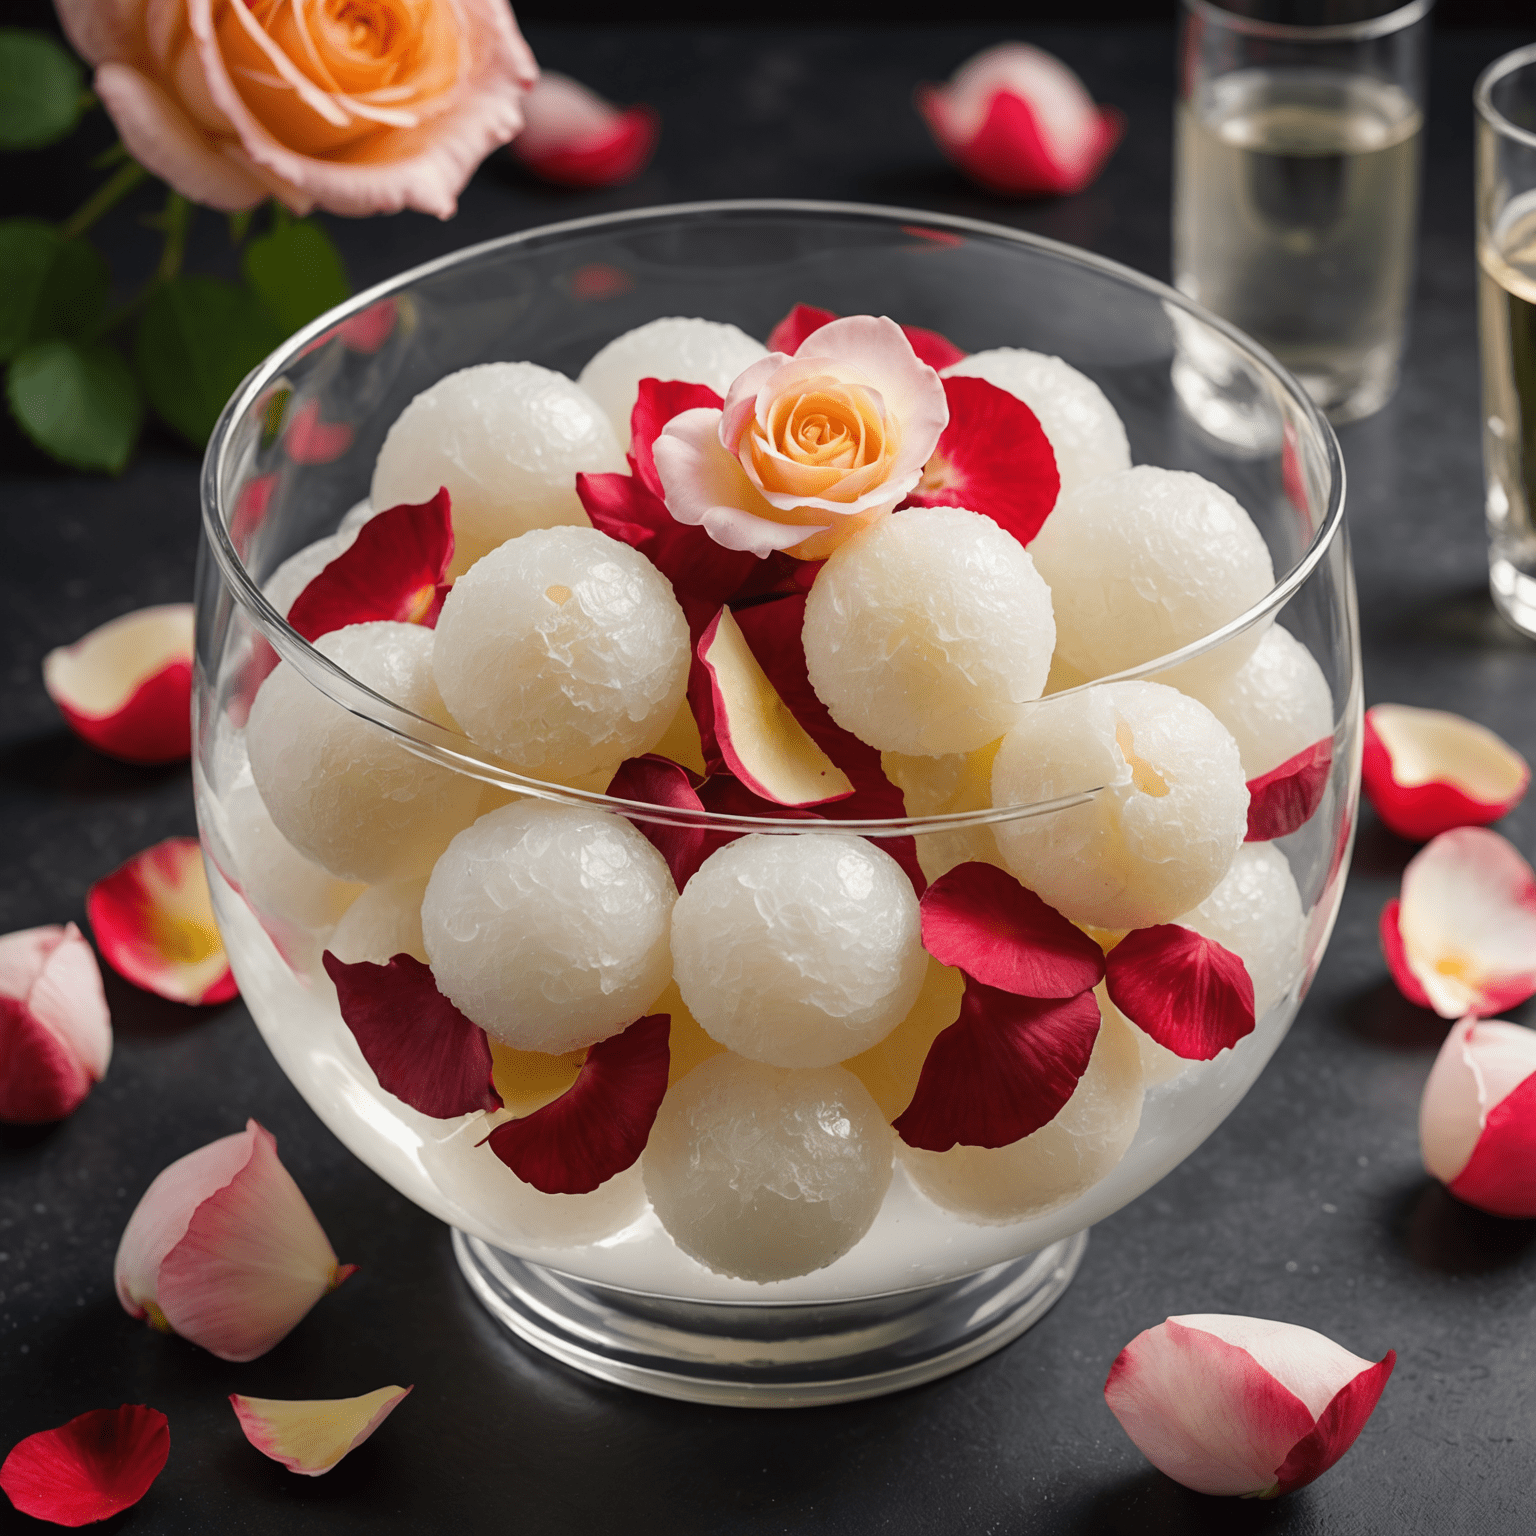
450	749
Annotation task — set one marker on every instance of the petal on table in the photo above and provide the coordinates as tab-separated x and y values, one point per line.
574	138
90	1468
310	1437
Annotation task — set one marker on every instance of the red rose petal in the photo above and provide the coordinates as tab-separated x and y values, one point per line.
659	781
939	352
657	403
1186	991
599	1126
993	458
1397	956
308	440
1002	1070
617	155
1500	1176
90	1468
420	1047
1337	1427
1286	797
370	328
393	570
979	919
41	1080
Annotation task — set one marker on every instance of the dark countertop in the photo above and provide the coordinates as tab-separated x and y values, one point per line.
1309	1205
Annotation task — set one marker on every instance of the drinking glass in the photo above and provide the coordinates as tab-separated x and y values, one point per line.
1296	183
1505	101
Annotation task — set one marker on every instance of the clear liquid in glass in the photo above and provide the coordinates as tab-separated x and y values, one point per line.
1295	207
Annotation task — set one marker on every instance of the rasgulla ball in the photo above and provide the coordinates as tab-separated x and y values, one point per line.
1058	1162
1163	828
343	790
563	652
274	876
507	440
1275	705
944	786
764	1173
696	351
383	922
547	925
929	632
1147	560
1082	426
798	950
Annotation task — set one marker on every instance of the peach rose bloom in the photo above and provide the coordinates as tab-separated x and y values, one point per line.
356	106
808	449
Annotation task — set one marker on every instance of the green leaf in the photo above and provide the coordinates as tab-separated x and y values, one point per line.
297	272
240	225
49	286
198	337
42	90
77	401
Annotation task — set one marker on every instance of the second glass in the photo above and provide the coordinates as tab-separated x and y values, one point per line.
1296	183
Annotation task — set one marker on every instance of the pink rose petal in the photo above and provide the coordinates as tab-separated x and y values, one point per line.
1391	934
308	440
1285	798
939	352
312	1437
89	1469
1192	996
573	138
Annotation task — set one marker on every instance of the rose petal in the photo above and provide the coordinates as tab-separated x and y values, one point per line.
1338	1427
600	1125
657	781
153	921
1003	1069
981	920
1286	797
573	138
938	351
657	403
310	1437
126	687
370	328
1427	770
394	569
1390	930
418	1045
993	458
1191	995
41	1080
308	440
90	1468
1466	925
1500	1176
223	1249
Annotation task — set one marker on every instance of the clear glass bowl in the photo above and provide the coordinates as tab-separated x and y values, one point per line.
598	1282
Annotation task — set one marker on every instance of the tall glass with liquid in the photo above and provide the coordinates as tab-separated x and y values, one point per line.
1296	182
1505	102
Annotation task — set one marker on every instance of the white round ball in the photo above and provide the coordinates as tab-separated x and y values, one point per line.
798	951
563	651
764	1173
929	632
547	925
941	786
507	440
1058	1162
383	922
1084	429
1163	829
1145	561
1275	705
693	351
342	790
274	876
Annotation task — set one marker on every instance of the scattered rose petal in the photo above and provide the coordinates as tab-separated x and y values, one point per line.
752	729
939	352
993	458
308	440
394	569
979	919
153	921
311	1437
1003	1069
90	1468
599	1126
1477	1119
1427	770
657	403
1192	996
1240	1405
1462	937
1286	797
659	781
224	1250
126	688
573	138
418	1045
55	1030
1018	121
370	328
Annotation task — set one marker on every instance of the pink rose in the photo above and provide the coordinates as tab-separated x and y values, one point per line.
808	449
356	106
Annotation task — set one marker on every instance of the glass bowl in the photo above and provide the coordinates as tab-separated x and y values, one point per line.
594	1279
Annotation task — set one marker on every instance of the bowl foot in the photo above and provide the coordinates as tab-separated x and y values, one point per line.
767	1356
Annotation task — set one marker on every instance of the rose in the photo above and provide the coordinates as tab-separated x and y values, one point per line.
357	106
807	449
